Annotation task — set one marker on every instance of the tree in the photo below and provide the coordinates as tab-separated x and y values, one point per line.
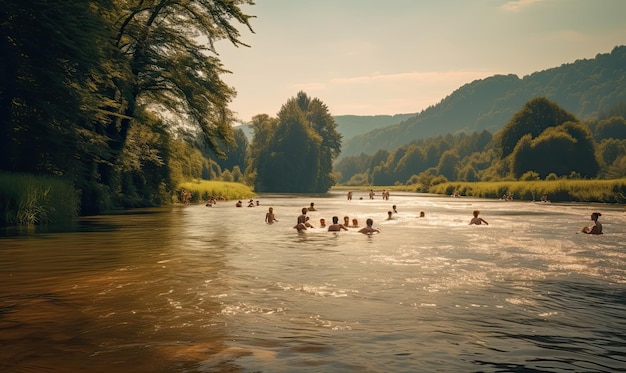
295	152
536	115
51	61
167	47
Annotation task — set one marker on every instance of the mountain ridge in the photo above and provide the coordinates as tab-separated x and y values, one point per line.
585	88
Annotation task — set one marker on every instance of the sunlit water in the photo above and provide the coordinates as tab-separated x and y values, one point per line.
215	289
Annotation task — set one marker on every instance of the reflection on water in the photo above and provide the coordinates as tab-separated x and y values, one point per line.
215	289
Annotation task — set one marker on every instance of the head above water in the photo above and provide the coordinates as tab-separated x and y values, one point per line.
335	219
369	222
595	215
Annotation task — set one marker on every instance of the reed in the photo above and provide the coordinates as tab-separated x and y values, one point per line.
29	199
202	190
563	190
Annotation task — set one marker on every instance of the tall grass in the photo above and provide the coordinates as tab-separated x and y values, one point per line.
29	199
202	190
606	191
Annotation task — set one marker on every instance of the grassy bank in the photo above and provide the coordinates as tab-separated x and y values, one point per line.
28	199
202	190
605	191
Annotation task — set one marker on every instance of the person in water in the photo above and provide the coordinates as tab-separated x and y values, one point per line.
389	215
476	220
270	218
596	227
355	223
312	207
322	223
335	226
369	229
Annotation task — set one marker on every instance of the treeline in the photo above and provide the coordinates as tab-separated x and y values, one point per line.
541	141
115	97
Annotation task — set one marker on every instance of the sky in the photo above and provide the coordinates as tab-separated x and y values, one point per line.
386	57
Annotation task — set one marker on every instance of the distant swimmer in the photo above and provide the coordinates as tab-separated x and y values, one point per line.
350	196
336	227
422	214
355	223
596	227
312	207
238	204
395	211
476	220
369	229
270	218
389	215
322	222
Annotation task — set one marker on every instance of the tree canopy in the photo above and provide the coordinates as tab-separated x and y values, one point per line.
294	152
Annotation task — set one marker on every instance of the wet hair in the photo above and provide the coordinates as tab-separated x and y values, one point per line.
476	212
335	219
369	222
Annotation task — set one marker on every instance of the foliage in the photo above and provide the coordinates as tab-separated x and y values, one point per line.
535	116
561	190
294	152
83	81
202	190
28	199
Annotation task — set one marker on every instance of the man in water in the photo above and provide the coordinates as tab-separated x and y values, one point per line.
270	218
476	220
596	227
369	229
336	227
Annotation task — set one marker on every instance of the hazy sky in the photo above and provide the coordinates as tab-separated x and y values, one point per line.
368	57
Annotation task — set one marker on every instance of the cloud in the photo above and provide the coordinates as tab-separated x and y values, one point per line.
517	5
424	77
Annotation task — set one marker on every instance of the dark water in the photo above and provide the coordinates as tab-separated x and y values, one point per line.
215	289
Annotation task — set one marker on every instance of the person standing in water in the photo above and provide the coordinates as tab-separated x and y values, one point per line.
596	227
270	218
476	220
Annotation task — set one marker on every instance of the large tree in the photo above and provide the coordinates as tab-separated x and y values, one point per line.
168	46
295	152
536	115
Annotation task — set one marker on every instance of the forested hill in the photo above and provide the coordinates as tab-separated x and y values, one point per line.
585	88
353	125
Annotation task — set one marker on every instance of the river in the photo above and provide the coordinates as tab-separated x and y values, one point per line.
215	289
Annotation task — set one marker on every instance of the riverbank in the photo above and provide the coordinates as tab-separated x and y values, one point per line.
603	191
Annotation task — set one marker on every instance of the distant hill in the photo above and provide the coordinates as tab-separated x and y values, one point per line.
585	88
352	125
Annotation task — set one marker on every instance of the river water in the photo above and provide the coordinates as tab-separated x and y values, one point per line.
215	289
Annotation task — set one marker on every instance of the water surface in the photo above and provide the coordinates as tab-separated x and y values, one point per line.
215	289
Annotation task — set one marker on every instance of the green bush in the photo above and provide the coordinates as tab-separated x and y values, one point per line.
29	199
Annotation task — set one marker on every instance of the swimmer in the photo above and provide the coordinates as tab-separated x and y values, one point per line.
312	207
596	227
270	218
395	211
322	222
336	227
422	214
369	229
389	215
346	221
355	223
476	220
238	204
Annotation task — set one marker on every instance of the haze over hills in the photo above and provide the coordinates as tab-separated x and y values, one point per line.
585	88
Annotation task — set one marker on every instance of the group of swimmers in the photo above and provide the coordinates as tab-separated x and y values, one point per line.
303	222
